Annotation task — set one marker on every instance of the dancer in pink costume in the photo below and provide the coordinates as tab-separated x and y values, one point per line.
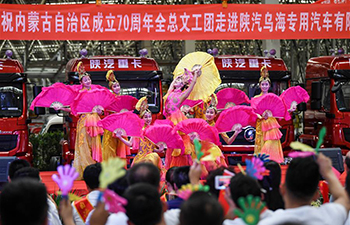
176	95
112	146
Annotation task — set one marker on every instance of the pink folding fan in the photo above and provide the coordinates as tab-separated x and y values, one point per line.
243	115
233	95
166	136
57	94
125	123
296	93
164	122
272	103
90	101
123	103
192	103
199	127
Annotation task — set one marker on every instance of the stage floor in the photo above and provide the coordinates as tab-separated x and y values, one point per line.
80	187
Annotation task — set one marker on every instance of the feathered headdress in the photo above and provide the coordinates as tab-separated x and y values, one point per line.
264	74
81	71
142	106
111	78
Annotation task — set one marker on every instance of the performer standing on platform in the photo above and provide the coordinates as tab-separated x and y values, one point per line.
264	84
143	145
112	146
176	95
210	116
84	143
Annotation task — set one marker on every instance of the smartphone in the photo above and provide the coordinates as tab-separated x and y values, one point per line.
221	182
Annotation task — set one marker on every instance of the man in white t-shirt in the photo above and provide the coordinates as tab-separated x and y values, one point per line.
84	206
300	187
242	186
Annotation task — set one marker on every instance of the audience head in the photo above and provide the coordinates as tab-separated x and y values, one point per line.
23	201
210	181
27	172
347	184
181	176
201	209
271	184
91	176
347	162
16	165
169	178
242	185
144	205
119	186
302	179
144	173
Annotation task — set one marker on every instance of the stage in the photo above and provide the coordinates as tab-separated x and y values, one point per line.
79	187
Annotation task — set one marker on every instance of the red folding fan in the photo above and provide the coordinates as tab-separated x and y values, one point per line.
125	123
243	115
233	95
123	103
166	136
57	94
198	126
270	102
164	122
90	101
296	93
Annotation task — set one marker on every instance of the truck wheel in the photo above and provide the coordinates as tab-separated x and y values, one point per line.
54	163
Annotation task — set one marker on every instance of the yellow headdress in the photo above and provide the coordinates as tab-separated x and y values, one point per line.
111	78
264	74
81	71
142	106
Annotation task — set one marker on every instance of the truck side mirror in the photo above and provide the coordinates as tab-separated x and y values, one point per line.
36	92
336	87
316	95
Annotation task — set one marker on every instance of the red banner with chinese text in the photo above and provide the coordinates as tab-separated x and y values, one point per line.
174	22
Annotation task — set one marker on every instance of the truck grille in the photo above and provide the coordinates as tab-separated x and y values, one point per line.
8	142
347	134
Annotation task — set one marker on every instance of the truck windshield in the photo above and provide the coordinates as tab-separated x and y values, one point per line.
343	98
138	89
251	88
11	99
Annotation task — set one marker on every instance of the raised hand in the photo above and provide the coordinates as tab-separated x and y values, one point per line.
237	128
114	202
66	179
293	106
263	157
111	171
251	208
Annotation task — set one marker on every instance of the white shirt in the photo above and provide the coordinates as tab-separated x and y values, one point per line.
93	198
53	217
238	221
327	214
172	217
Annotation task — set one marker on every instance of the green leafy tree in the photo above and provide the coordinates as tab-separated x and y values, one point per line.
44	147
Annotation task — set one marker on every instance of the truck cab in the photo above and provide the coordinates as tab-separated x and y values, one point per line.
137	76
328	84
13	111
243	73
